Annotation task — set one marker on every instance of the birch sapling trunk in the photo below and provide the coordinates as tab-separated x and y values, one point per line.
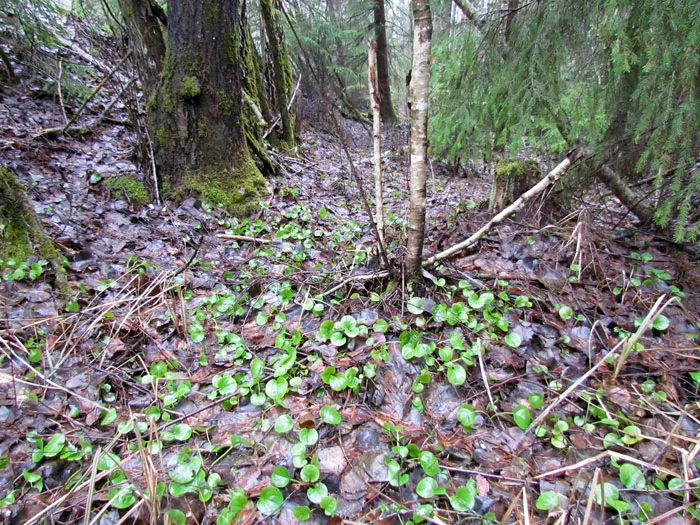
419	90
374	97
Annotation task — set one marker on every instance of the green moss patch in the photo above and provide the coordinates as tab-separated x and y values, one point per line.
129	188
21	235
515	168
238	188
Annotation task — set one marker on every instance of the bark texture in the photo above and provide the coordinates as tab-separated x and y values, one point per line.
196	116
281	70
419	91
383	78
377	136
146	40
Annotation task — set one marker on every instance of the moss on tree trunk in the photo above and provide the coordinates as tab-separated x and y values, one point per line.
21	234
197	114
510	180
281	70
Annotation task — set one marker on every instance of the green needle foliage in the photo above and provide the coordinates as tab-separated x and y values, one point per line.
621	77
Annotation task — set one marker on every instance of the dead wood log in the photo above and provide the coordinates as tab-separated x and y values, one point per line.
622	191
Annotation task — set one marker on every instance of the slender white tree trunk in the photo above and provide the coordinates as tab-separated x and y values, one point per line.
377	134
419	91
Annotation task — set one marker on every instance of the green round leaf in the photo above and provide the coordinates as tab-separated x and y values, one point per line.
464	497
661	323
609	491
415	305
380	326
276	388
302	512
317	493
338	339
429	463
257	399
466	415
330	415
536	400
280	477
631	476
310	473
513	340
338	383
181	431
548	500
257	366
284	424
55	445
175	517
522	416
308	436
121	498
427	488
270	500
456	375
566	312
328	504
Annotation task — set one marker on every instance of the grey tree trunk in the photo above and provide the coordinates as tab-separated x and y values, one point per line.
419	91
147	42
281	70
383	78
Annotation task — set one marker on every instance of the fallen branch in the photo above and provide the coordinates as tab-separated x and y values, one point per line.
60	131
360	278
628	198
549	179
243	238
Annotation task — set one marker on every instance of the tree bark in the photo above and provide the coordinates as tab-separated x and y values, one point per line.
377	135
383	78
146	40
281	70
196	115
419	91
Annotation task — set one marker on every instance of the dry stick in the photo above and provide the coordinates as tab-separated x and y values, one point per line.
58	90
549	179
377	133
109	107
153	166
41	376
91	486
604	455
363	277
591	495
95	91
648	321
667	514
343	142
243	238
571	388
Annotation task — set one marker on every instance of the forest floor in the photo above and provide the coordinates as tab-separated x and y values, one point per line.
207	369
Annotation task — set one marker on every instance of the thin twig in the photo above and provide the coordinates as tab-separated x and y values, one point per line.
95	91
243	238
58	91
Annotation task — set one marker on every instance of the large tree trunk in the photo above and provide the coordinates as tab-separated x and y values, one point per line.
196	116
147	42
385	106
281	70
419	91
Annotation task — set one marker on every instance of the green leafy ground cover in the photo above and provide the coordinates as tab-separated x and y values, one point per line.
261	383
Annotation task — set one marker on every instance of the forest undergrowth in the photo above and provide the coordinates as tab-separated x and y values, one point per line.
199	368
